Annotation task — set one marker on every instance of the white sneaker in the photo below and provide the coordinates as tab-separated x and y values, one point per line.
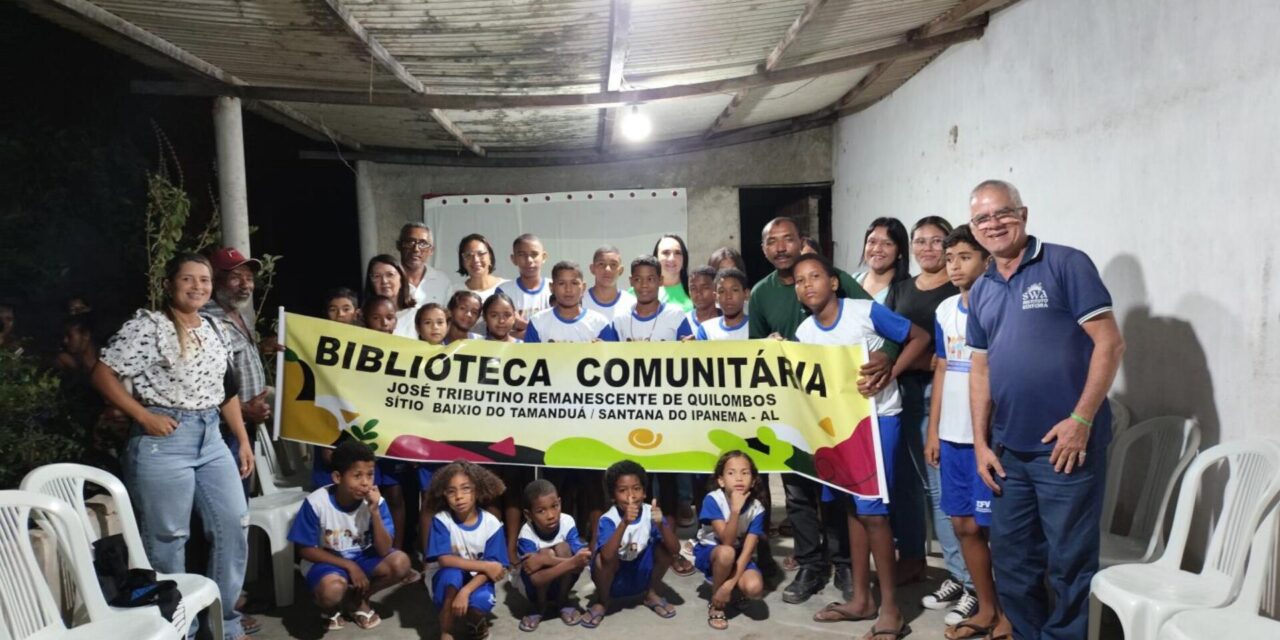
942	597
964	608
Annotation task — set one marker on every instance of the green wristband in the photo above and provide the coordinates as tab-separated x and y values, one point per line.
1081	420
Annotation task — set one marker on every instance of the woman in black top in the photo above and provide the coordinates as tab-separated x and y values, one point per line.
917	484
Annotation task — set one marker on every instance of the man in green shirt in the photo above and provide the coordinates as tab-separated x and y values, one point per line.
775	311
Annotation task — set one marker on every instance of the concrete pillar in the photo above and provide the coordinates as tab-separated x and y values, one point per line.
233	199
366	213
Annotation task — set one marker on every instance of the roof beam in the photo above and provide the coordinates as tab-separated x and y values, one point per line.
770	62
387	61
933	26
619	44
569	101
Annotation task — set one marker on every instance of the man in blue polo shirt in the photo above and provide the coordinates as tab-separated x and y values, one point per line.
1046	349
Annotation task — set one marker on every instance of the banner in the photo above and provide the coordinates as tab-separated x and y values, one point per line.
671	406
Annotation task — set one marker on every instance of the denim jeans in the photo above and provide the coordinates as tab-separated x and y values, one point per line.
918	486
166	476
1045	524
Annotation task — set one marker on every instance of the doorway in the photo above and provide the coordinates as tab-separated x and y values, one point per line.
808	204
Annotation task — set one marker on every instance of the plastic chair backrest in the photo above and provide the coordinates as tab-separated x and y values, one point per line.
265	463
1259	578
1159	450
1121	418
26	602
65	481
1253	465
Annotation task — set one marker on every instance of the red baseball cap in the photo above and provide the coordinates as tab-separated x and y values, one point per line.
228	258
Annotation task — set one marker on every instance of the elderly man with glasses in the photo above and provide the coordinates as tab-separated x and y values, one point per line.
1046	350
426	283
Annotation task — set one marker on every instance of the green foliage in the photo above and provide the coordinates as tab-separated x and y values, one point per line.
367	435
39	427
167	210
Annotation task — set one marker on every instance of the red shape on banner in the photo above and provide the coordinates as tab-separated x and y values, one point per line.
506	447
851	464
419	448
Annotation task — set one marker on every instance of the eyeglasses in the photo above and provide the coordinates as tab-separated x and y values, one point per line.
472	255
1004	215
416	244
921	243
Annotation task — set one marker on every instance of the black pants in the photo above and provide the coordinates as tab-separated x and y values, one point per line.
821	529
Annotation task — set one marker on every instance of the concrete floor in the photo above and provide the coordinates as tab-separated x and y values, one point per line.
408	614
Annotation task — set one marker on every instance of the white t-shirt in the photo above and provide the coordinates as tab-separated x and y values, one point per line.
404	323
716	507
546	326
955	424
862	322
483	293
527	301
717	330
665	324
620	305
436	286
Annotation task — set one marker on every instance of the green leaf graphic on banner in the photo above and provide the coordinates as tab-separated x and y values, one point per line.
588	452
779	450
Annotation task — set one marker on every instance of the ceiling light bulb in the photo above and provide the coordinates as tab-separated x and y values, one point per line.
636	125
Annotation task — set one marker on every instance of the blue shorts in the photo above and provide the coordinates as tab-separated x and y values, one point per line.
526	587
367	561
632	578
888	451
702	560
963	492
482	599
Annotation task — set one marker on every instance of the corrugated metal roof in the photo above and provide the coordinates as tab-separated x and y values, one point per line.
292	43
530	129
394	128
898	73
849	27
794	98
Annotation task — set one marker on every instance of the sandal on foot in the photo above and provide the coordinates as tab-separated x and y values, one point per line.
662	608
592	618
716	618
249	625
833	613
896	634
789	564
367	619
530	622
570	616
973	630
413	576
333	622
682	567
478	630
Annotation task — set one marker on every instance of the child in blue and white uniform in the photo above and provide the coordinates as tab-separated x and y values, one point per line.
567	320
551	556
702	293
846	322
650	320
530	292
732	520
604	297
731	295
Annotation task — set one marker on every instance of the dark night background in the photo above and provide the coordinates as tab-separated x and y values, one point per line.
75	147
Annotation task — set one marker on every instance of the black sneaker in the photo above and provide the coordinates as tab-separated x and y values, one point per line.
808	581
963	609
942	597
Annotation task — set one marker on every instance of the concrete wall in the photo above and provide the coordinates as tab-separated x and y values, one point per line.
712	178
1146	133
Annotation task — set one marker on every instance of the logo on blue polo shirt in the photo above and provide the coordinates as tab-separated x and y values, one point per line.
1034	297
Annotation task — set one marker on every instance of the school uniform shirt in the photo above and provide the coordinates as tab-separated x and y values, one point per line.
955	423
1038	353
547	326
530	541
323	523
665	324
717	330
637	537
620	305
483	540
528	302
715	506
862	322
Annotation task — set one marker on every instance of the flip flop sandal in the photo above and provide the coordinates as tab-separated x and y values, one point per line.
566	612
333	622
367	620
901	632
716	619
591	619
414	576
1003	636
662	608
789	564
839	615
249	625
976	631
530	622
688	569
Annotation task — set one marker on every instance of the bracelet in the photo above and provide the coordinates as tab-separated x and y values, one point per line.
1077	418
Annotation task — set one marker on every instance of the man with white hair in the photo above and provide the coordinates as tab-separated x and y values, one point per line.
1045	352
416	245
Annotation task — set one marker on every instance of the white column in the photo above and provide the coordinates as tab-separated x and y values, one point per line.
366	213
233	199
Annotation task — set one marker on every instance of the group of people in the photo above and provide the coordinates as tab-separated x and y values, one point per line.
989	371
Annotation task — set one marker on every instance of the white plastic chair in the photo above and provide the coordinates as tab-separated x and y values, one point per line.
1121	418
1241	618
65	481
1144	596
271	478
273	513
27	607
1157	451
